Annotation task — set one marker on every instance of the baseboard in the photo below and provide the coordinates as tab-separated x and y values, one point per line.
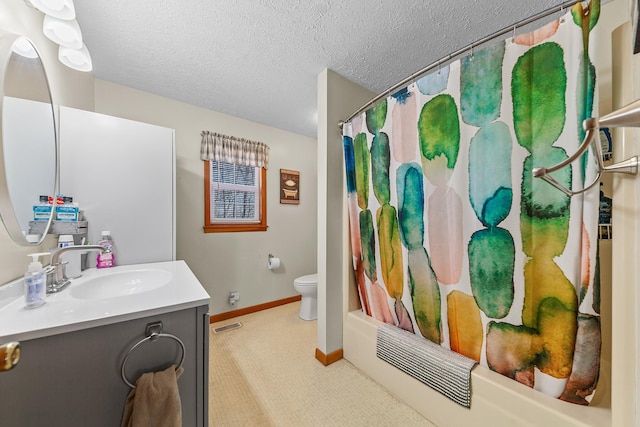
248	310
328	359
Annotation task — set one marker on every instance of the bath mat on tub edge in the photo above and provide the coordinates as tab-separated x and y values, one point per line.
445	371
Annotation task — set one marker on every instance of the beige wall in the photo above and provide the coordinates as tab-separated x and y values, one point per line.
68	87
231	261
626	228
337	99
614	21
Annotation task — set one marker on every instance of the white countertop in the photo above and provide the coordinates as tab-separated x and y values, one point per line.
64	312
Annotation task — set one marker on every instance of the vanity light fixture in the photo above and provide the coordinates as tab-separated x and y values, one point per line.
65	33
78	59
23	47
61	27
61	9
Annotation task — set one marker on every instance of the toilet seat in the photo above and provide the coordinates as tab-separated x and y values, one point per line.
308	280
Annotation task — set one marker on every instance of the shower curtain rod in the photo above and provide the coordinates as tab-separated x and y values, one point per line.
413	77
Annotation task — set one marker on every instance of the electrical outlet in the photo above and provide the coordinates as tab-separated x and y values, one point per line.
234	296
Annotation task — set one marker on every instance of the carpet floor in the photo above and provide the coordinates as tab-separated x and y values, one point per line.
265	374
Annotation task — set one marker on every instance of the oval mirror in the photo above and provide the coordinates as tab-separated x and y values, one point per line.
28	140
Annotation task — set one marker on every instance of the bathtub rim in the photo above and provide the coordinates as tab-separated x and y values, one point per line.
511	403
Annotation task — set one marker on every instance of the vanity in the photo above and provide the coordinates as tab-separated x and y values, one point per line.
73	348
75	359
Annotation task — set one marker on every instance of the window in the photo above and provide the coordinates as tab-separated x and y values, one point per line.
235	197
235	183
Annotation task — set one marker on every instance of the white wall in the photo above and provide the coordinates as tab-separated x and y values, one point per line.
122	172
231	261
68	87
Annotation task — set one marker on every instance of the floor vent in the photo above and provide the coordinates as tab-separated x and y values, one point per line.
227	327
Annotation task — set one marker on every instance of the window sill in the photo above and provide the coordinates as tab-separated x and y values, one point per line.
232	228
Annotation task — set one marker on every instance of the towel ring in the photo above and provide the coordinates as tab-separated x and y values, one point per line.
152	337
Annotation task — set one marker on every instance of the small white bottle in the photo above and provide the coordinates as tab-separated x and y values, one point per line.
106	259
65	240
35	283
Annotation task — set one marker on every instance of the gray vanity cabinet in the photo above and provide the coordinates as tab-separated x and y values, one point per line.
74	379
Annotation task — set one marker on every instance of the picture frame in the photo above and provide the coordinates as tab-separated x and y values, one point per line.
289	187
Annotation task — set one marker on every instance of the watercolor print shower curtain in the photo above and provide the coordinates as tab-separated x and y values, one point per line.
453	239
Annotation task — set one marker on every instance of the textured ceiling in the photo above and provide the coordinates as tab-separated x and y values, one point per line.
259	59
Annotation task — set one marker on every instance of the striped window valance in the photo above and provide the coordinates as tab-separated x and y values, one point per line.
229	149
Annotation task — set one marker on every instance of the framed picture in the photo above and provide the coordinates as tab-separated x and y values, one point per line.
289	187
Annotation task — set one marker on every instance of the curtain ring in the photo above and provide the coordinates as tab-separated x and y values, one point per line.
471	56
513	37
562	14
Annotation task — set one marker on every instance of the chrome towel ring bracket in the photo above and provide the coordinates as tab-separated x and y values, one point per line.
627	116
153	332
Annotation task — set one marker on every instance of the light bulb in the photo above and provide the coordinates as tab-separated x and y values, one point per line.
78	59
61	9
23	47
65	33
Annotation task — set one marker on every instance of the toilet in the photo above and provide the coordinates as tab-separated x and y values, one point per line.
307	286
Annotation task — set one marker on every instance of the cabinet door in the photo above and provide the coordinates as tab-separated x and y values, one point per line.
74	379
122	174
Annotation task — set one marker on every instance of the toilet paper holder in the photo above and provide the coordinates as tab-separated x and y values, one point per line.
273	262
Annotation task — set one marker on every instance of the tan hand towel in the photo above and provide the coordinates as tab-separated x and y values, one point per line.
155	402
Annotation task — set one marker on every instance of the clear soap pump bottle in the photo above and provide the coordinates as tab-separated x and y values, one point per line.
35	282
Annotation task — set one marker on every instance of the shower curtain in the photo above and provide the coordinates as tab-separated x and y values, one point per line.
454	240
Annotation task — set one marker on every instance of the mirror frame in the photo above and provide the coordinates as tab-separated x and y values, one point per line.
7	212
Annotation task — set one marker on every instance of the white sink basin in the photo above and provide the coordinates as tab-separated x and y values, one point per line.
120	283
101	297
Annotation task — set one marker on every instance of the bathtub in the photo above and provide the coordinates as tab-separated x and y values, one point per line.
496	400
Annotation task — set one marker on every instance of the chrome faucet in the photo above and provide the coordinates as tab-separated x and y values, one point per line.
57	278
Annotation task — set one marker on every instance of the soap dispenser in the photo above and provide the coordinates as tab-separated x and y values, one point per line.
35	282
106	259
